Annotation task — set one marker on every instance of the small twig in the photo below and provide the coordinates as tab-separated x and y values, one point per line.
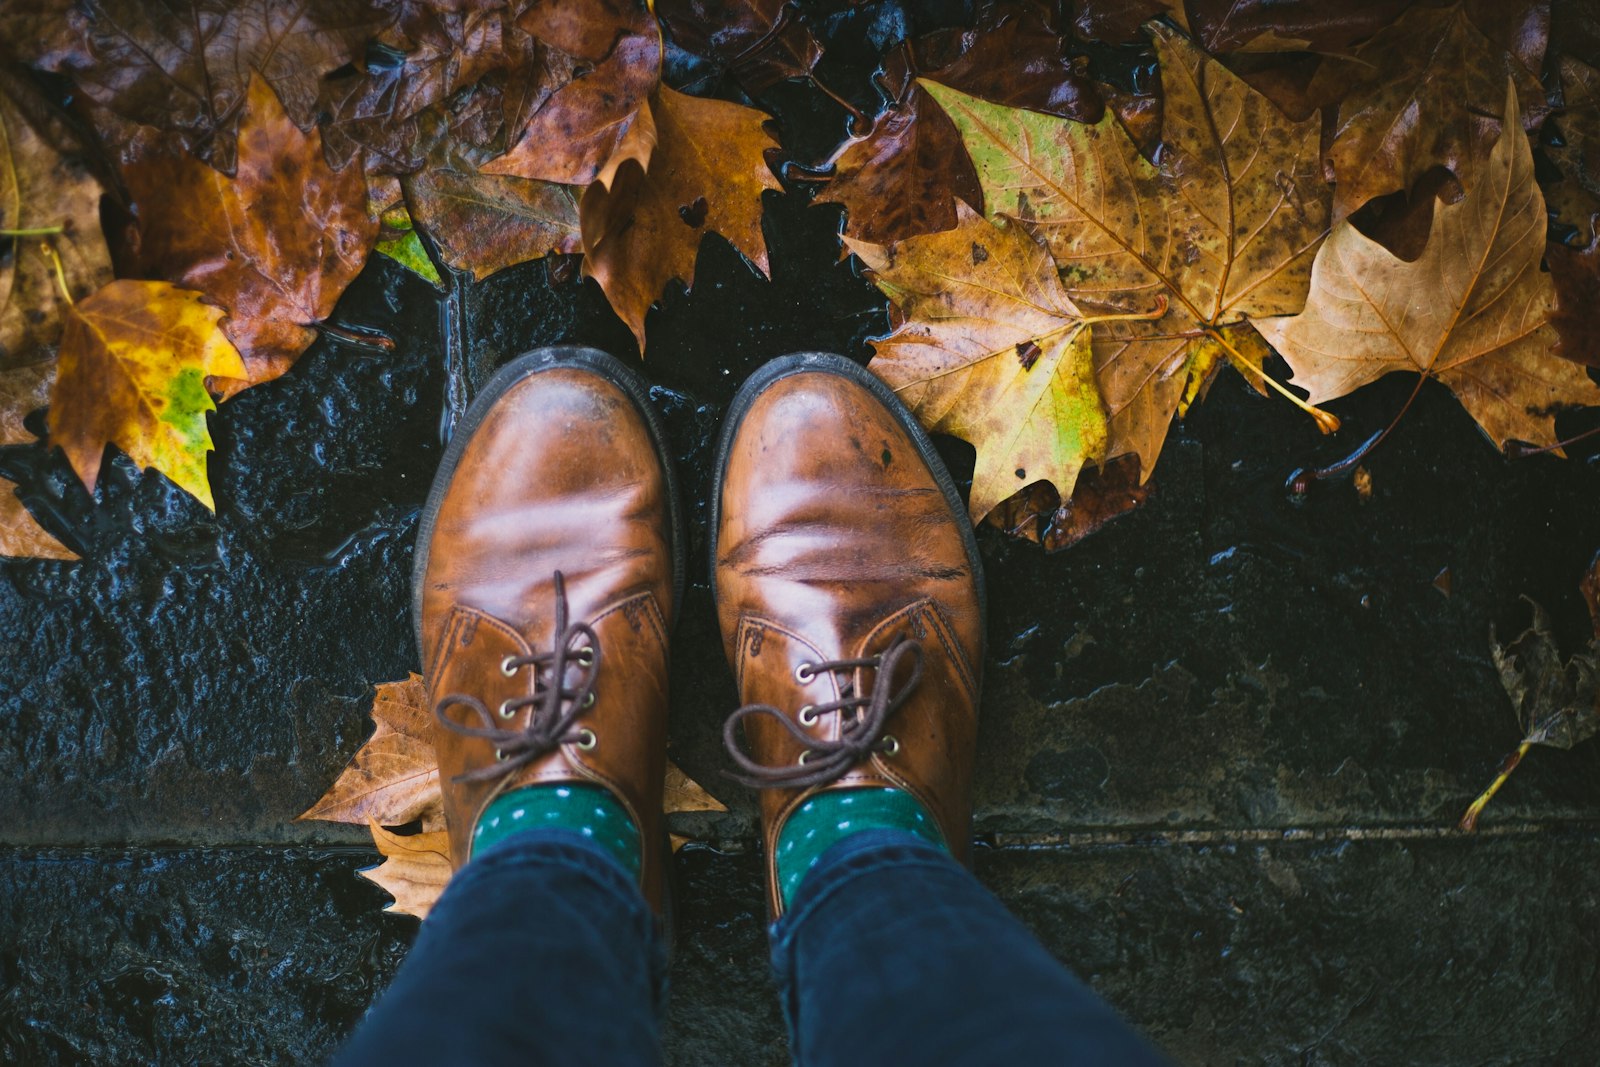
61	275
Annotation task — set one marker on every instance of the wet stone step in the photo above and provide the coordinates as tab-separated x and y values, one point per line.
1441	950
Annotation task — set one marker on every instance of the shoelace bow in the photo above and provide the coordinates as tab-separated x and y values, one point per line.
556	707
861	734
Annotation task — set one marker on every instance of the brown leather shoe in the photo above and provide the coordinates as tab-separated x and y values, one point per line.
548	566
850	594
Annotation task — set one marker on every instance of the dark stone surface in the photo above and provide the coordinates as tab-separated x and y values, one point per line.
1411	951
1223	701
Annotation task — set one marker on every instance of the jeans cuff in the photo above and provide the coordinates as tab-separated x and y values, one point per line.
567	848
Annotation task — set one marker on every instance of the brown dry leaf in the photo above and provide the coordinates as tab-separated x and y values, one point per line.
1295	26
415	869
1472	312
594	122
394	777
993	351
1120	21
1575	275
760	42
22	390
42	189
274	246
486	222
682	793
1225	231
707	174
186	65
1575	198
1424	92
1102	494
135	359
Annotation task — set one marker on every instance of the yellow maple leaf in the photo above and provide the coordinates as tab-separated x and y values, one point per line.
415	869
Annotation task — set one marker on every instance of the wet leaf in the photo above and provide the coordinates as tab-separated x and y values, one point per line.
1016	60
1575	198
1472	312
707	175
1121	21
760	42
1575	275
275	246
398	240
415	869
1425	92
1038	513
1225	230
42	190
22	390
993	351
186	65
484	222
1557	701
394	777
134	361
598	120
1298	25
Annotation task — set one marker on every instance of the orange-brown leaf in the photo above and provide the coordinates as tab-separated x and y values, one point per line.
394	777
275	246
415	869
707	174
133	367
24	389
682	793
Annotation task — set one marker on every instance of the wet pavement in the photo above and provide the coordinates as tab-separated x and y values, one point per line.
1224	742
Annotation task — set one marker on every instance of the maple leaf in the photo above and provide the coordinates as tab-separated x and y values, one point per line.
415	869
1472	312
596	121
398	240
132	372
24	389
275	246
993	351
394	777
186	65
1275	26
45	196
1575	277
1576	197
682	793
1224	231
1416	96
761	42
485	222
707	174
1040	514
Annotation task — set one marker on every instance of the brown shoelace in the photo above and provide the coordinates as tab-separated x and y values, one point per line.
556	706
861	734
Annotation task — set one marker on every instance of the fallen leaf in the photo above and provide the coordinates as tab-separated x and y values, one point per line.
1557	702
1472	312
132	372
760	42
22	390
1424	92
1121	21
993	351
42	190
682	793
394	777
1012	57
415	869
1575	276
1224	231
1575	198
598	120
275	246
707	174
397	239
186	65
1277	26
1039	514
485	222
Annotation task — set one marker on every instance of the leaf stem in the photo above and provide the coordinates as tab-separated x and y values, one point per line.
1326	421
61	275
1131	316
1518	451
1469	821
1300	481
37	231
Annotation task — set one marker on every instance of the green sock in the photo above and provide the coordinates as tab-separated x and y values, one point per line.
830	817
581	807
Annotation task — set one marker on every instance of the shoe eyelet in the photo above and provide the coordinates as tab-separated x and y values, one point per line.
587	740
500	755
584	657
803	757
808	715
506	710
891	745
588	700
804	673
507	666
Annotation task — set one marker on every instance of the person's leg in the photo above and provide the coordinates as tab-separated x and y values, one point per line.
891	952
541	951
850	593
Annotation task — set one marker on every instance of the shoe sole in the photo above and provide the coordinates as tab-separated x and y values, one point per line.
512	374
829	363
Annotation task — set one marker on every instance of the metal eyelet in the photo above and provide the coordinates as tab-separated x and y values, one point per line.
500	755
587	740
507	667
808	715
584	657
588	701
804	673
891	745
506	710
803	757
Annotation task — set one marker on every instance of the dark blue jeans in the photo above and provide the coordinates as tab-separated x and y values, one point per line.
544	952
